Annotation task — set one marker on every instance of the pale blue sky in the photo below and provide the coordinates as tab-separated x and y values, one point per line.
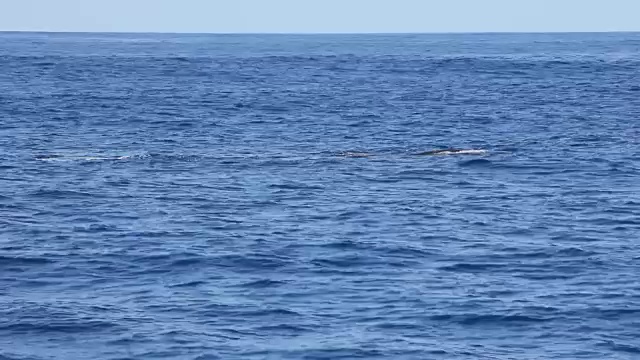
312	16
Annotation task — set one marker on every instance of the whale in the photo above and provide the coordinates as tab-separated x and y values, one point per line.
448	151
453	151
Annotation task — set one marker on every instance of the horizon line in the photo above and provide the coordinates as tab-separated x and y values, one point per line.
323	33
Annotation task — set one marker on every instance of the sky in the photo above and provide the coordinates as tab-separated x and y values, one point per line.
320	16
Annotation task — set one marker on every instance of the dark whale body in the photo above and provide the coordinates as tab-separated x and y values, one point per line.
453	151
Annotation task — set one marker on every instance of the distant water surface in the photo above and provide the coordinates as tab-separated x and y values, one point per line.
260	197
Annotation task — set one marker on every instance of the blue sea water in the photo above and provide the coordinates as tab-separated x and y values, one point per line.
195	197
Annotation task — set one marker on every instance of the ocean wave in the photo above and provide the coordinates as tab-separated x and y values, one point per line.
248	196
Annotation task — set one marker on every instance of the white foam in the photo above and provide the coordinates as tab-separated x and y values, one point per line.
58	157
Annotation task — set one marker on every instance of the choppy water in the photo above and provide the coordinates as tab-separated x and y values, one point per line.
189	197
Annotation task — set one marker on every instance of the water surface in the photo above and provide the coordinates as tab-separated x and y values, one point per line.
188	197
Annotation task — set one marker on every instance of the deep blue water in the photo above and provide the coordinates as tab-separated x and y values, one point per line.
192	197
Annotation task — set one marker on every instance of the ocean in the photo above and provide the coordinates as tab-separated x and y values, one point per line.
272	196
